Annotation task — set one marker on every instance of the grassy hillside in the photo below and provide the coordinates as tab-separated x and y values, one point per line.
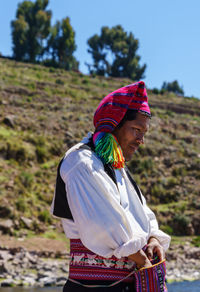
45	110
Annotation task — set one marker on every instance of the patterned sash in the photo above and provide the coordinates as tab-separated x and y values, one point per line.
86	265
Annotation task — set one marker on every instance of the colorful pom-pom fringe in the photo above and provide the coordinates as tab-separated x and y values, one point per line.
108	149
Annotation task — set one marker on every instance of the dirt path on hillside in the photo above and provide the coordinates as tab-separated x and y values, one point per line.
36	244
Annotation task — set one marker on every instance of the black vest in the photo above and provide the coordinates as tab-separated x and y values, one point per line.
61	207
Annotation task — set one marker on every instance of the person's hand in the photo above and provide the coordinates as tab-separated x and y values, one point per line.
154	247
141	259
145	264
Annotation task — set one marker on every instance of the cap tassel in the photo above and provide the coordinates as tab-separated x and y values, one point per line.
108	149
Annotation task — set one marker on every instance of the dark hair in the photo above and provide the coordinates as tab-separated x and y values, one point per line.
130	115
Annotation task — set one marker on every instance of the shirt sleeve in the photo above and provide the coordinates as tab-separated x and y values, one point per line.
102	223
163	238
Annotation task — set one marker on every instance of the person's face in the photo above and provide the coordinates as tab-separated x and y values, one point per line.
131	134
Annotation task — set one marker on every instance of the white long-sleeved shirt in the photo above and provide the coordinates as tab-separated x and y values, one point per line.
109	219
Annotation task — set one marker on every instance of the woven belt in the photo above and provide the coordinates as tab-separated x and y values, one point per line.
86	265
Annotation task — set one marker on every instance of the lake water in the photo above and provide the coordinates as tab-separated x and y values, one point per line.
174	287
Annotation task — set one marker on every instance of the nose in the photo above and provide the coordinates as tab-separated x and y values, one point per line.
140	139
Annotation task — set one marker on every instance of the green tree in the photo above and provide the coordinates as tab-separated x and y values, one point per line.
114	54
61	45
173	87
30	29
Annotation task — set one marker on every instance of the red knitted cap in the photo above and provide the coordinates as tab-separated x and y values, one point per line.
114	106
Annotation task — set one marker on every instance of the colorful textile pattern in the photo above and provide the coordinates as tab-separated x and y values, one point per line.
86	265
151	279
113	107
108	149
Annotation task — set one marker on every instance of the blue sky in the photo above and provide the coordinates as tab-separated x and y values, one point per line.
168	32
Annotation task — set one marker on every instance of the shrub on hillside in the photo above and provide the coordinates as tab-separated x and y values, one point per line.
140	166
147	150
45	216
196	241
181	224
166	228
41	153
60	81
21	205
57	149
171	182
157	190
16	152
26	179
160	193
155	90
179	171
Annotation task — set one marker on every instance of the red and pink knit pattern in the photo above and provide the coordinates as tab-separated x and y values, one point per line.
114	106
86	265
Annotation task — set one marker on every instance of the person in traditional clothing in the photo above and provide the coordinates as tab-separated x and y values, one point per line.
111	229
